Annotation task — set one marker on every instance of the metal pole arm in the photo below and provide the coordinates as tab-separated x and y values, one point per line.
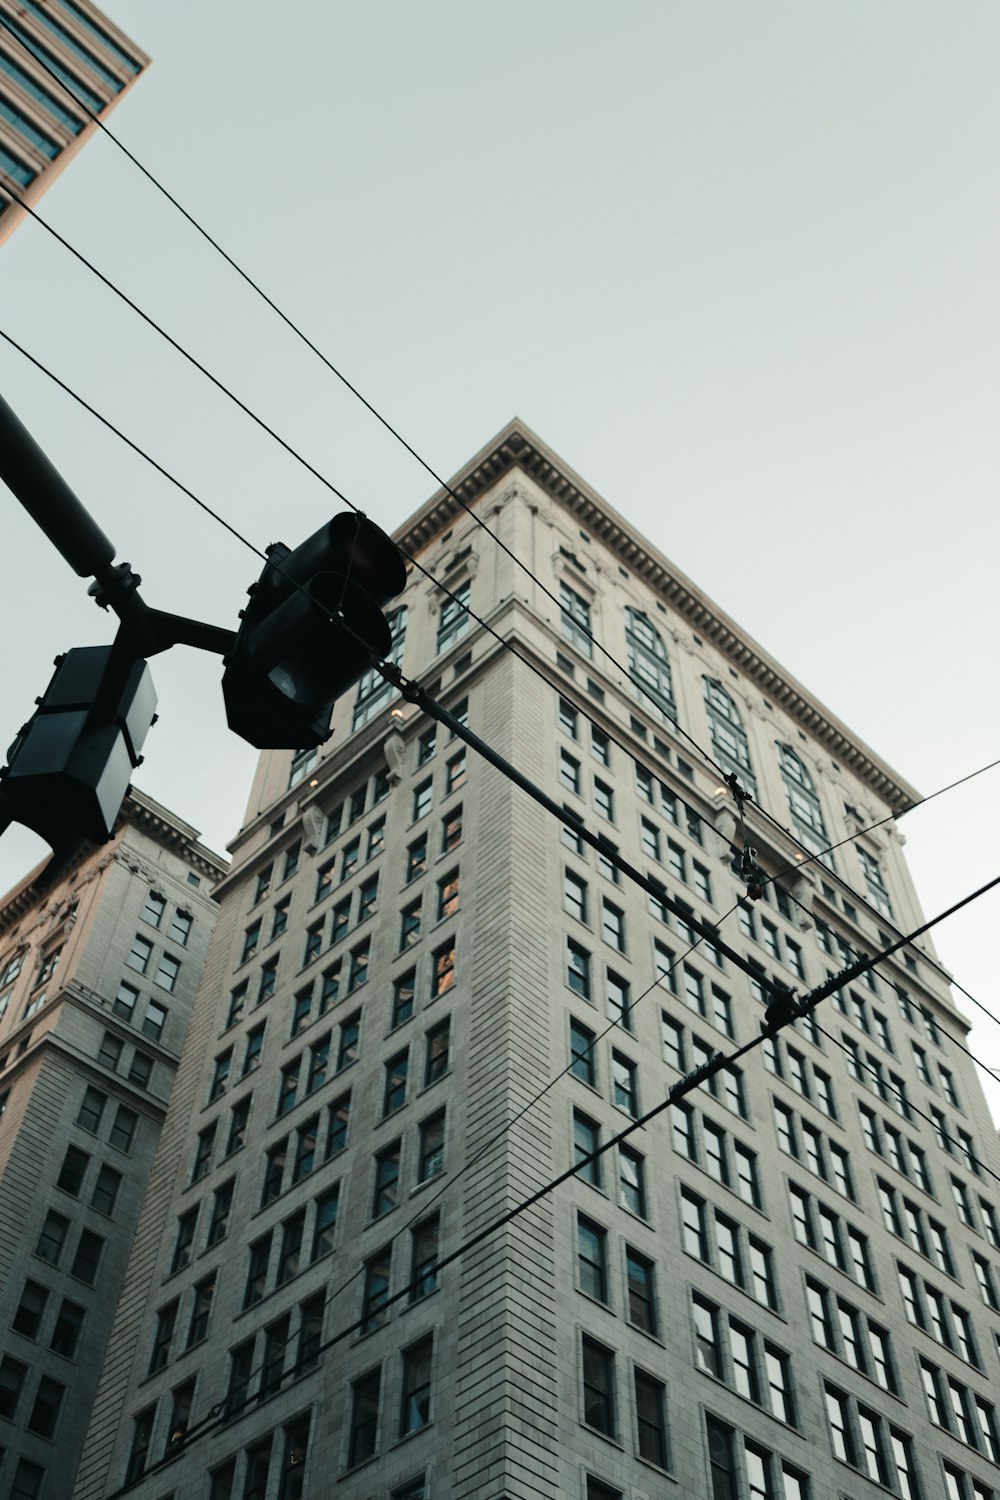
48	499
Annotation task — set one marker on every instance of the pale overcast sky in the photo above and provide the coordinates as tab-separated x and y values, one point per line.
736	263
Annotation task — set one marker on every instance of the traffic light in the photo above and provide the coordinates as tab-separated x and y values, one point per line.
312	628
70	766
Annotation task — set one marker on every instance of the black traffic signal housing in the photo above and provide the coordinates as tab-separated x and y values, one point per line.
312	628
70	766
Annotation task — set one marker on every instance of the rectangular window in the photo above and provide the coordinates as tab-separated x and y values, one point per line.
598	1387
87	1258
376	1290
386	1189
362	1443
575	619
423	799
443	971
640	1274
106	1189
582	1064
431	1155
592	1258
396	1072
325	1224
437	1052
423	1258
569	772
578	969
632	1181
604	800
415	1407
586	1139
403	991
451	830
290	1256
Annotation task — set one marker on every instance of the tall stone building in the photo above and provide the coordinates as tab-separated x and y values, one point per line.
426	998
97	980
45	119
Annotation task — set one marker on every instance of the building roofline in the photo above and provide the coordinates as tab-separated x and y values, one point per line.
517	447
139	811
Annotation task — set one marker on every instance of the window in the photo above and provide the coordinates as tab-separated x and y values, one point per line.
251	941
290	1253
437	1052
423	1258
575	896
325	1224
409	925
612	925
386	1190
140	1069
426	745
640	1276
455	776
110	1054
201	1306
125	1001
222	1202
364	1417
592	1258
598	1387
88	1256
804	804
339	1116
423	798
443	972
241	1364
186	1225
220	1075
30	1310
319	1060
625	1086
272	1366
575	619
431	1153
451	829
310	1334
91	1110
52	1237
453	620
729	738
403	990
106	1188
569	771
260	1255
415	1409
154	908
568	718
374	691
586	1140
878	895
166	1320
142	1435
305	1148
72	1171
180	927
394	1086
578	969
604	800
632	1181
416	858
582	1041
66	1334
123	1130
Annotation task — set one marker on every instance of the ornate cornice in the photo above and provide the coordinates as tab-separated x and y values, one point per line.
517	447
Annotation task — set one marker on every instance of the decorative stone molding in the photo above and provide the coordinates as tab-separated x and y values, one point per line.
394	750
313	825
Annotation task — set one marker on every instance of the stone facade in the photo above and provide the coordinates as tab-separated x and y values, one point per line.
97	980
425	998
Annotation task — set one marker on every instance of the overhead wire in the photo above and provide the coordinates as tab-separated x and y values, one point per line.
775	1020
165	473
339	374
506	643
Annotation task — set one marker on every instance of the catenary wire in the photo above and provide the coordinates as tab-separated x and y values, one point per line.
438	583
350	386
555	685
718	1061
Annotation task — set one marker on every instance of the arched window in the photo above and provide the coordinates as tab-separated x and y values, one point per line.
729	738
648	664
807	815
373	690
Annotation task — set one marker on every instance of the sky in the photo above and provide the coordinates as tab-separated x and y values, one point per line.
736	264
